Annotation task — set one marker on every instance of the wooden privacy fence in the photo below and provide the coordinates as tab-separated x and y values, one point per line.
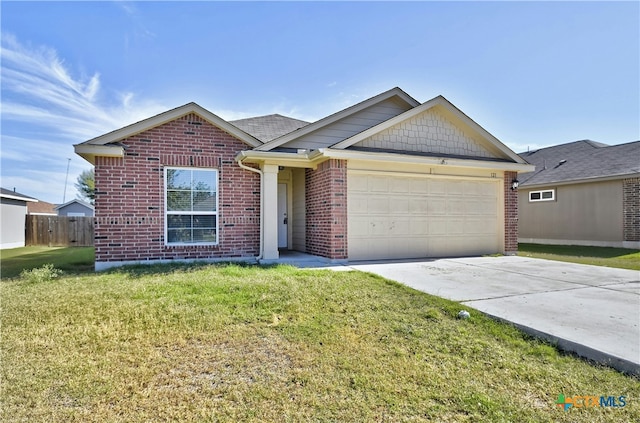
59	231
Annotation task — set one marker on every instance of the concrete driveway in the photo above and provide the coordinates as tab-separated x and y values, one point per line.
590	310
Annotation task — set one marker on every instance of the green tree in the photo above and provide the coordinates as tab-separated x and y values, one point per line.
86	185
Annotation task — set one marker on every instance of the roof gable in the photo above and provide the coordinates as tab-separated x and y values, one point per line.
581	160
74	201
104	144
395	94
434	127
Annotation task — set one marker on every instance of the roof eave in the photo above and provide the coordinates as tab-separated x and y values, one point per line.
89	152
330	153
300	160
313	158
526	185
19	198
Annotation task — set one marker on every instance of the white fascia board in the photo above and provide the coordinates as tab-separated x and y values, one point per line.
329	153
337	116
89	151
437	101
301	160
168	116
19	198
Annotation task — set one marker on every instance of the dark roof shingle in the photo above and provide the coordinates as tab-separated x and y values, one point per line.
269	127
581	160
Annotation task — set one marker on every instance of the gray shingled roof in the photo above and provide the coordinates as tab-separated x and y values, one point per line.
10	193
267	128
581	160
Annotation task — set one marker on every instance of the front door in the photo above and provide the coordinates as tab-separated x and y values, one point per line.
283	219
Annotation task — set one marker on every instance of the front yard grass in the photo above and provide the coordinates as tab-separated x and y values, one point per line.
231	343
622	258
68	259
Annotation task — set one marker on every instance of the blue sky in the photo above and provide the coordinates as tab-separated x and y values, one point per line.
533	74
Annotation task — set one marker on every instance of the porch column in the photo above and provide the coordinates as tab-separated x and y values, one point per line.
270	212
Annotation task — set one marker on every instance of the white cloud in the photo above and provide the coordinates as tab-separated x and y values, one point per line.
38	88
46	109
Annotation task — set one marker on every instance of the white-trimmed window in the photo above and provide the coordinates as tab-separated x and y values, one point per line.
545	195
191	206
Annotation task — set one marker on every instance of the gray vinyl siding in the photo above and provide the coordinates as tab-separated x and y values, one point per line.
580	212
75	208
350	125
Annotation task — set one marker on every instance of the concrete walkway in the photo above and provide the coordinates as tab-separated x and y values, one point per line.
590	310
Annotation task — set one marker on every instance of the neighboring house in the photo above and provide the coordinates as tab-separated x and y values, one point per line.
41	208
582	193
13	212
386	178
75	208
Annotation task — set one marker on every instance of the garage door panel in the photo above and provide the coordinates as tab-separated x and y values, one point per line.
437	186
399	227
378	184
378	204
454	226
398	204
358	183
436	205
411	217
379	226
479	226
418	186
357	204
419	226
483	206
457	205
418	206
437	225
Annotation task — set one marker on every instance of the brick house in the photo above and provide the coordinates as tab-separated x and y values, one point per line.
582	193
386	178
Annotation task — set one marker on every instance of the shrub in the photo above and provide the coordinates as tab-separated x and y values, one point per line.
41	274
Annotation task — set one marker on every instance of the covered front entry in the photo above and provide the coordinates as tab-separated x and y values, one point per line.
420	215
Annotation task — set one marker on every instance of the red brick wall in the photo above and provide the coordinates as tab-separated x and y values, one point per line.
129	205
631	209
326	202
510	214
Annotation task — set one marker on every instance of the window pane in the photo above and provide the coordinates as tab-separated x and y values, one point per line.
176	221
179	235
204	201
535	196
179	200
204	180
204	235
547	194
178	179
204	221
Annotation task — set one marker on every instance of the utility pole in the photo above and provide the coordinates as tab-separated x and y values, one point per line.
64	195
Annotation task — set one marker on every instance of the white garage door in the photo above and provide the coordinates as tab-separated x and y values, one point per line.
421	216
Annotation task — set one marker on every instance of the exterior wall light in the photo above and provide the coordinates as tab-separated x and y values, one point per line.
514	184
